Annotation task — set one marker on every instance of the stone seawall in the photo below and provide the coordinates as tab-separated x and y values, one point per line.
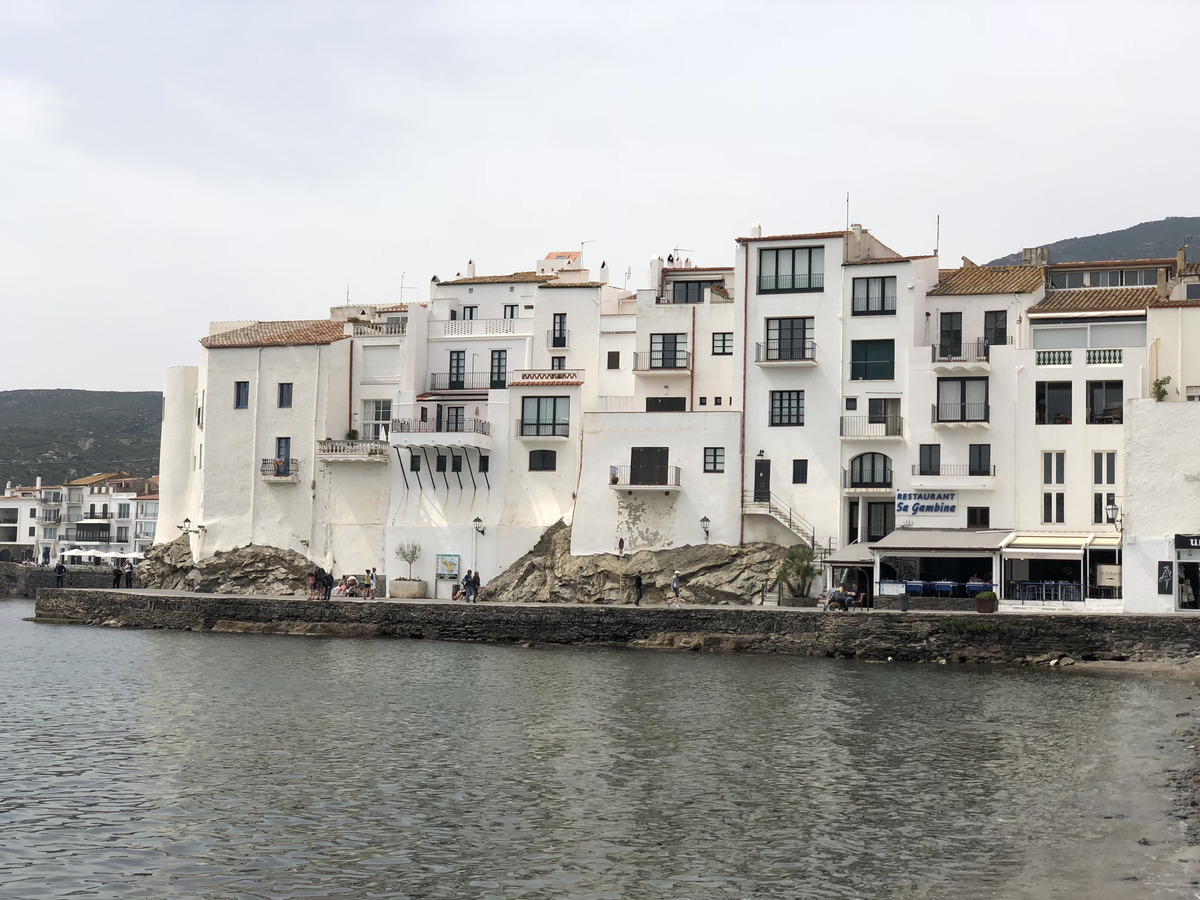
17	580
954	637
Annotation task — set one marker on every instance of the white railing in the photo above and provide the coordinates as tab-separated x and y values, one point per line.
458	327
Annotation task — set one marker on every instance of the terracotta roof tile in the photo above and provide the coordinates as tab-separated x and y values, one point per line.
1192	268
514	278
975	280
813	236
277	334
573	284
395	307
1083	300
721	292
684	270
1114	264
96	479
885	259
546	377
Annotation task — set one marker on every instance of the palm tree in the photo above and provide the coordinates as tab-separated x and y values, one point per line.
799	568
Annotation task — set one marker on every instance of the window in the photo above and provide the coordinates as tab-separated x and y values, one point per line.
714	459
122	510
457	376
285	395
455	462
558	334
884	411
872	360
851	404
649	465
376	420
704	401
1053	509
33	512
440	463
32	530
980	456
558	363
950	337
1053	403
424	413
50	534
931	459
874	297
122	533
1054	469
1104	402
1193	392
1139	277
666	404
979	517
668	351
1066	279
614	359
799	471
241	395
510	310
543	460
691	291
995	327
1104	279
1104	473
787	407
962	400
722	344
548	416
414	463
791	269
881	520
455	418
470	312
871	470
1192	292
790	338
499	376
717	401
484	464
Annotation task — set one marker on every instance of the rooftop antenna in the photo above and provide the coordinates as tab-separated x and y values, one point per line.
347	293
403	288
628	273
581	243
847	210
675	253
937	240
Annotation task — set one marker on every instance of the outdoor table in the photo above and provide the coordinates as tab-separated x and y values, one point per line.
944	588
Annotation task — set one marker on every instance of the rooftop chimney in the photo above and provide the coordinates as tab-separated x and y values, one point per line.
603	277
1181	259
470	268
38	483
755	230
1035	256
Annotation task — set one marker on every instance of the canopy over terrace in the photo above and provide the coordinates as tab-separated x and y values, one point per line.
1059	565
953	562
852	567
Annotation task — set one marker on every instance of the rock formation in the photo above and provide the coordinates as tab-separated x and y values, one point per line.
244	570
709	573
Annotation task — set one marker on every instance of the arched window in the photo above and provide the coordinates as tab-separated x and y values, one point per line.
871	470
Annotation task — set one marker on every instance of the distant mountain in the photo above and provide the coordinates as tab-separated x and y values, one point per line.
62	434
1150	240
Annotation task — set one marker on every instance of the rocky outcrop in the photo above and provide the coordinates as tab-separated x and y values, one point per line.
710	574
252	569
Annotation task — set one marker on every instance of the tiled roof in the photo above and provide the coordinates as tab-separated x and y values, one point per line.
814	236
514	278
395	307
1192	268
277	334
885	259
96	479
669	270
546	377
1114	264
721	292
973	280
1085	300
573	284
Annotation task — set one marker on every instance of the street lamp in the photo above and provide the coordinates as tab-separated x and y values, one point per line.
479	525
1113	511
187	528
704	523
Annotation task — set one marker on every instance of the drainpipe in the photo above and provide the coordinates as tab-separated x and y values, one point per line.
692	374
745	357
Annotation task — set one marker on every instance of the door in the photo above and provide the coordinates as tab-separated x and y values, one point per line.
950	346
852	522
558	337
499	379
881	520
283	456
455	418
648	465
438	422
458	366
762	481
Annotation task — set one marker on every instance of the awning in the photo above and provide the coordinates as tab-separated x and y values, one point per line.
1057	544
952	541
851	555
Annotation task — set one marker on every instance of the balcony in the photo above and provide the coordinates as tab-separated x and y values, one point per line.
48	518
960	414
953	476
528	428
280	471
871	427
971	355
352	451
1052	358
380	329
480	327
660	362
448	432
786	353
1105	357
558	340
788	284
94	516
643	478
462	381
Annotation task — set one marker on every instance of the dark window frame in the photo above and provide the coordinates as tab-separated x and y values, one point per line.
869	362
722	343
871	296
787	409
285	395
799	471
1043	391
614	359
714	460
871	470
543	461
1111	394
241	395
799	279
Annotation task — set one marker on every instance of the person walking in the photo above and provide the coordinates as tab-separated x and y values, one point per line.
116	575
637	589
475	587
60	572
675	589
328	585
374	583
129	574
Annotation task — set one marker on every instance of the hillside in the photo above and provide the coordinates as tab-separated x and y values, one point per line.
66	434
1149	240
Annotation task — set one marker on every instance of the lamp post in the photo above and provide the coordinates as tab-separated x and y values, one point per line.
1114	518
704	523
187	528
479	529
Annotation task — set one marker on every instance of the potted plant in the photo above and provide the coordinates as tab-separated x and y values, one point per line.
407	588
985	602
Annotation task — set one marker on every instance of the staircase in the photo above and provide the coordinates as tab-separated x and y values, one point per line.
782	513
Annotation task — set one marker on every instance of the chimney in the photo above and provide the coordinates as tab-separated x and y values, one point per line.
1180	260
470	268
1163	290
38	484
603	278
1035	256
755	230
656	267
857	229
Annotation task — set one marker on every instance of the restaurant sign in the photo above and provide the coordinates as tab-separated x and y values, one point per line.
927	503
1187	542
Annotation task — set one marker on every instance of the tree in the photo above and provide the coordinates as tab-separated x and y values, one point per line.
410	552
799	569
1159	389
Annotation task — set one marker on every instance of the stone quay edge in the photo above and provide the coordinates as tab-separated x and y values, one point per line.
911	637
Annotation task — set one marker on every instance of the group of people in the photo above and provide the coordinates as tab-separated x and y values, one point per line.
321	585
468	590
638	587
119	572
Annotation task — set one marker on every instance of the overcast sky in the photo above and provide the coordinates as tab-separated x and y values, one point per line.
164	164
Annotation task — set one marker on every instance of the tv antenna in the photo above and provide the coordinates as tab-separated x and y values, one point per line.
581	243
403	288
628	273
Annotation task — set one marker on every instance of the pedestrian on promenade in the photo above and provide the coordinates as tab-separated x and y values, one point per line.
342	587
637	589
60	572
464	589
675	589
312	585
129	574
374	583
116	575
351	585
328	585
475	587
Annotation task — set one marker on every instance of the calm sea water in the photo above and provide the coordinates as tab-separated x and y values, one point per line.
145	764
